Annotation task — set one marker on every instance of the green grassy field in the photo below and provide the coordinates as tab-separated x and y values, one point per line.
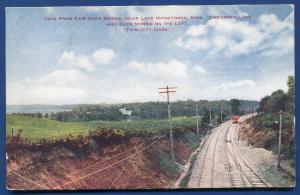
36	128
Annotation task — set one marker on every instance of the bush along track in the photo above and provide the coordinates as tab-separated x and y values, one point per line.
104	159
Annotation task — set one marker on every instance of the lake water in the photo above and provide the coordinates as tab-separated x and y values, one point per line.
35	108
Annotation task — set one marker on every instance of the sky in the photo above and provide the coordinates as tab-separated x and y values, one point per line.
76	62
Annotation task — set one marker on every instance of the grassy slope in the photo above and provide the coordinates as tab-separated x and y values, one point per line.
35	128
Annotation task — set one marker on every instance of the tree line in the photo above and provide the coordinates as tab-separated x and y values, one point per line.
150	110
280	100
268	119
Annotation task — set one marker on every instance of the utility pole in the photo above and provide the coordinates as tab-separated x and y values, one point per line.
88	127
169	90
279	138
197	115
251	113
209	110
12	131
246	120
222	113
294	126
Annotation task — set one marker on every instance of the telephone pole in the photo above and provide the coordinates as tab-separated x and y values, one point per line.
197	115
247	119
222	113
252	110
279	138
209	110
167	90
294	125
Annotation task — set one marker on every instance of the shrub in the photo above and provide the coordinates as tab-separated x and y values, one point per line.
167	165
289	151
192	139
185	180
266	121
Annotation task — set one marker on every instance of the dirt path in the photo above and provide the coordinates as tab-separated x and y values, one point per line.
227	162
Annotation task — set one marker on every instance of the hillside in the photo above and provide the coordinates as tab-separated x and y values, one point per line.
104	159
39	128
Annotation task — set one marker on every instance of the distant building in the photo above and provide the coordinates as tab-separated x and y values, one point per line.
125	112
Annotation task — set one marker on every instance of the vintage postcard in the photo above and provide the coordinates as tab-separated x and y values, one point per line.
150	97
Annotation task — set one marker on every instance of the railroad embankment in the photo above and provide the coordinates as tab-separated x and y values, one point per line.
106	159
262	146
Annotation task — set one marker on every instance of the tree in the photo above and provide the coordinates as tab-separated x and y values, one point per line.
291	86
46	115
290	104
262	104
276	102
235	106
52	116
39	115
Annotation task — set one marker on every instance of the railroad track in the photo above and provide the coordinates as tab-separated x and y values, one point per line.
240	173
235	176
211	165
221	165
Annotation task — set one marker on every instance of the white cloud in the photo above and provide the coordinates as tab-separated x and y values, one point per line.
233	38
36	93
58	87
62	76
196	30
173	69
103	56
269	23
193	43
200	70
70	60
46	94
281	46
86	62
237	84
241	89
67	83
236	38
136	93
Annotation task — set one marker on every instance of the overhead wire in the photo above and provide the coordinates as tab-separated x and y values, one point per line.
29	180
109	166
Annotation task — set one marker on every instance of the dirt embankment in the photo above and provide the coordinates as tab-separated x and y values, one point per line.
104	160
258	138
268	139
